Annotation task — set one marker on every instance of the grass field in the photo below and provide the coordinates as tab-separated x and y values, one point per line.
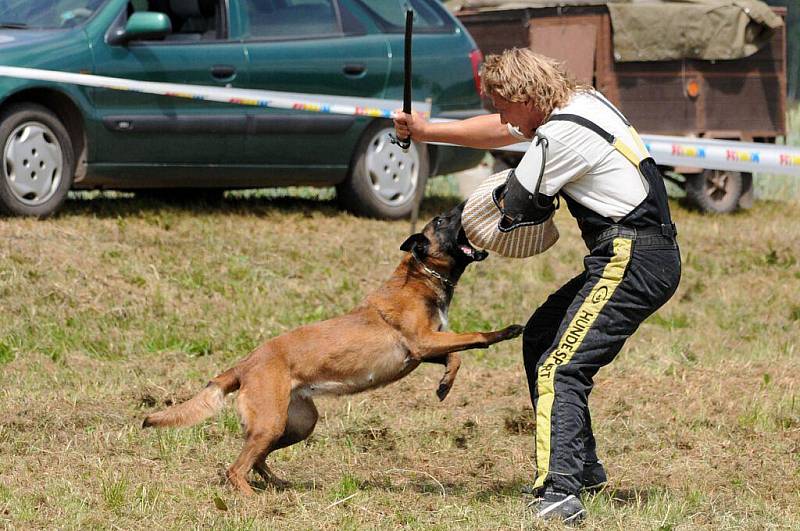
120	306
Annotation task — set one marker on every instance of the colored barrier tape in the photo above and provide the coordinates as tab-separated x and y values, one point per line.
376	108
711	154
724	154
666	150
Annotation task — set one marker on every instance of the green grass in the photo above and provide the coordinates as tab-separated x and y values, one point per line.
120	306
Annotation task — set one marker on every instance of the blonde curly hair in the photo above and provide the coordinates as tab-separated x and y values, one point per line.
521	75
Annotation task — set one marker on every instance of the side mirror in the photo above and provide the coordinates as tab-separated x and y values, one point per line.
142	25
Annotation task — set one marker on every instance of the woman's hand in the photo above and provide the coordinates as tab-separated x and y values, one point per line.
413	125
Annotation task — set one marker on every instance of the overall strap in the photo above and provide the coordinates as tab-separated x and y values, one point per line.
648	171
616	143
602	99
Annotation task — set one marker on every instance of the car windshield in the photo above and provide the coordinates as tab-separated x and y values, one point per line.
45	14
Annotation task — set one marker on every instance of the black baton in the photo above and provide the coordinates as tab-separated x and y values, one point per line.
405	143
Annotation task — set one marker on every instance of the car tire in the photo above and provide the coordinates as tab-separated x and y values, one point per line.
38	162
384	181
715	191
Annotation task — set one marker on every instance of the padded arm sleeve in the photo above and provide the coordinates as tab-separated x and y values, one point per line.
522	206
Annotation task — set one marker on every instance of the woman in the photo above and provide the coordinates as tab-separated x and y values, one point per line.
595	161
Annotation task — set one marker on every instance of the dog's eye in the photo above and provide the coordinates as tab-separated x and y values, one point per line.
439	221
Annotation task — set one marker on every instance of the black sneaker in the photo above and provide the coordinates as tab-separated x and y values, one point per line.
594	477
554	505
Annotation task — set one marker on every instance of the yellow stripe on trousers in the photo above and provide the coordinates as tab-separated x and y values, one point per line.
570	342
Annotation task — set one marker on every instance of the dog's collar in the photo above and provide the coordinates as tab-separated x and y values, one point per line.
446	281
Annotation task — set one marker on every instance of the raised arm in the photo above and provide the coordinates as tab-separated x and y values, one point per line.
483	132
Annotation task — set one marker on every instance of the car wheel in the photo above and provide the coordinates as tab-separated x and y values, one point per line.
38	162
715	191
384	181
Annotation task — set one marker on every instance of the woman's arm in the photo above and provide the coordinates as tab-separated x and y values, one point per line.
482	132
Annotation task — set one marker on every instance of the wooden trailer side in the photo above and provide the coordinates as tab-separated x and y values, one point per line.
741	98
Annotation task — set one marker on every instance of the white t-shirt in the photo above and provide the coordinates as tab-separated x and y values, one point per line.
582	164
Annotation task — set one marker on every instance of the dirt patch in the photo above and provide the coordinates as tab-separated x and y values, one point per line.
520	422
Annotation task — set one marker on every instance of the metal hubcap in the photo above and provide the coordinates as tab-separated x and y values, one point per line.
393	173
32	160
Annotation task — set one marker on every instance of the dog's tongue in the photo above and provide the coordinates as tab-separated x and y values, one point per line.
467	250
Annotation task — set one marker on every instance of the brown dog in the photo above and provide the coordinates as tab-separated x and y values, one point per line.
396	328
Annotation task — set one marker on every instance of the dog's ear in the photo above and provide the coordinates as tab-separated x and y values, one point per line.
416	242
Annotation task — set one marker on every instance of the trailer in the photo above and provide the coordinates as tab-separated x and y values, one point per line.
694	95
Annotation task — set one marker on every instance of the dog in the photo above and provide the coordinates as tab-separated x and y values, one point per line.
397	327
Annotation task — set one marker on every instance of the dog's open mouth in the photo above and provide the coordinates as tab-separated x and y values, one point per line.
467	249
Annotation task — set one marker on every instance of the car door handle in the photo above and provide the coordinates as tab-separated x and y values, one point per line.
223	72
354	69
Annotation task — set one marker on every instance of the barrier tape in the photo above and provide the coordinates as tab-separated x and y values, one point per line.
710	154
724	154
375	108
666	150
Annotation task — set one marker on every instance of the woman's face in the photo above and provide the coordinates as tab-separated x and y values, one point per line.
523	116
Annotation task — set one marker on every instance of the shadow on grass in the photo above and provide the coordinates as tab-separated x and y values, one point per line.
497	489
636	497
129	205
114	205
502	489
260	485
425	485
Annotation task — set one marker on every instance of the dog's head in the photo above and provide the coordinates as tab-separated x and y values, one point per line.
443	241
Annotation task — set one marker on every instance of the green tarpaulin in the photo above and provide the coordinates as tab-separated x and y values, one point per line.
659	30
697	29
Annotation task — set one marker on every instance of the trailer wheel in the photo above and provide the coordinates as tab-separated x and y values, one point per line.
715	191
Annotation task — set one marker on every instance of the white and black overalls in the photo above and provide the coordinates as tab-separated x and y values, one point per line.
633	267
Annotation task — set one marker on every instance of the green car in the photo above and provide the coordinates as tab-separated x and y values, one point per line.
56	136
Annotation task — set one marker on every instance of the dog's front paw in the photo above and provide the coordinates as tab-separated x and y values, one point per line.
511	332
447	381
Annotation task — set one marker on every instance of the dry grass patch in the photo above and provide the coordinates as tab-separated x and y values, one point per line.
119	307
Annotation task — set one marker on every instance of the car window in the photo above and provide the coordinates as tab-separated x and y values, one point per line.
192	20
46	14
291	18
391	15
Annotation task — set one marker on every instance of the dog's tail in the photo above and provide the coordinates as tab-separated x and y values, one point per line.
205	404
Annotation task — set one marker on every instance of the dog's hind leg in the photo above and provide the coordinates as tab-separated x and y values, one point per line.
263	407
267	475
302	419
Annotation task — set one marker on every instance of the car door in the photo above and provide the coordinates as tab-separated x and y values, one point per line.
316	47
146	130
